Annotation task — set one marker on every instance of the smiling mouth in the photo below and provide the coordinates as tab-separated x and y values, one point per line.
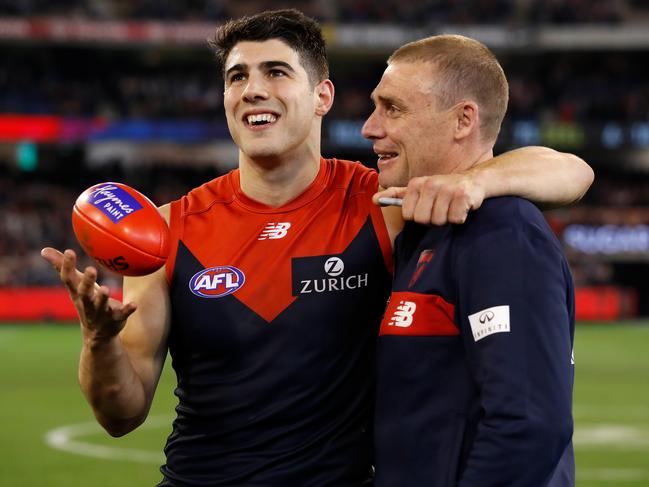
386	156
260	119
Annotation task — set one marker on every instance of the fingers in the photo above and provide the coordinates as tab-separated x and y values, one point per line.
53	256
394	192
70	276
439	213
97	311
458	210
117	311
86	288
438	200
101	298
122	312
411	198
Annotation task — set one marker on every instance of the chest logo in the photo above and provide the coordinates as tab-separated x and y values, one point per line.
334	266
216	282
274	231
403	315
324	274
424	258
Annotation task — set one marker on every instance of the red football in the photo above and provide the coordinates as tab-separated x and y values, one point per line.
121	229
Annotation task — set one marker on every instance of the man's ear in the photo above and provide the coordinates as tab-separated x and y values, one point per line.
467	119
325	97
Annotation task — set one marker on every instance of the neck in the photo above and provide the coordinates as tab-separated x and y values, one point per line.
483	156
276	180
466	158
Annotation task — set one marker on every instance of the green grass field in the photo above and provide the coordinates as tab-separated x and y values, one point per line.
42	404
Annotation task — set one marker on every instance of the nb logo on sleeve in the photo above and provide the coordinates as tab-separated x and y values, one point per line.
274	231
403	315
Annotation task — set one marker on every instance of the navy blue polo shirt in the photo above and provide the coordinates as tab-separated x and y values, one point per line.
475	367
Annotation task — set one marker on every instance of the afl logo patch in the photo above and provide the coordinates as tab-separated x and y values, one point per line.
216	282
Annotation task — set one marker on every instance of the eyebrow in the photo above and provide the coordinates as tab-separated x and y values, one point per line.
386	100
266	65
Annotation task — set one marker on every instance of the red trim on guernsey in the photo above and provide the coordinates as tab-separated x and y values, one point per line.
417	314
174	231
382	234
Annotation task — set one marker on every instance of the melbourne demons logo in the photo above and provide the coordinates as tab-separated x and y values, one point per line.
216	282
424	258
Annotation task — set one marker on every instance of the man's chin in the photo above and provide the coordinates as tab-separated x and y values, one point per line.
387	180
262	153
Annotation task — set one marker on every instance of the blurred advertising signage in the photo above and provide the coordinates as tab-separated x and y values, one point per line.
567	135
50	129
609	239
47	129
80	30
575	135
35	128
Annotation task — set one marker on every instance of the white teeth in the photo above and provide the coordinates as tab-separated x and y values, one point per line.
261	117
386	156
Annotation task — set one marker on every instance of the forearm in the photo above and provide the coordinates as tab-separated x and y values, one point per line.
542	175
111	385
521	364
516	452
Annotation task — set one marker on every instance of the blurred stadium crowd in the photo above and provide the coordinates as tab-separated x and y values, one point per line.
387	11
604	92
566	86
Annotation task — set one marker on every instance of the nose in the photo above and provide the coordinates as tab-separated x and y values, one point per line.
255	89
372	127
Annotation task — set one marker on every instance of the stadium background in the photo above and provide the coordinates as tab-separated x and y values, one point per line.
122	90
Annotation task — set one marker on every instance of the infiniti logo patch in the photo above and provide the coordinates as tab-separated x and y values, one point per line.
489	321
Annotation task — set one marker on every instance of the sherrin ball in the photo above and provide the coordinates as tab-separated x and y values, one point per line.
121	229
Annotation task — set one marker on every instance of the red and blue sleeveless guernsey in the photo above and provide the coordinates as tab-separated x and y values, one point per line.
275	314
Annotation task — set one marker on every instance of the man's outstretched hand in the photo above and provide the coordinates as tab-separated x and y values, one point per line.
101	316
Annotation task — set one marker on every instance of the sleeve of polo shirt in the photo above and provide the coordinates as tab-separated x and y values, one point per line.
513	310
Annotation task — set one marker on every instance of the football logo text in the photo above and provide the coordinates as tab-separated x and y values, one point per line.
216	282
113	201
116	263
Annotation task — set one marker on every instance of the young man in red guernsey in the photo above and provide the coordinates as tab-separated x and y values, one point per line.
272	296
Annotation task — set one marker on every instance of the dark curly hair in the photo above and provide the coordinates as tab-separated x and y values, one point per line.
301	33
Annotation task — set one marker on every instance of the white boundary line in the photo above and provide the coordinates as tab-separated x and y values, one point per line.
612	436
611	474
65	439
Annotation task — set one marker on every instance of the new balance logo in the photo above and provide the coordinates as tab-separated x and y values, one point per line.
403	315
274	231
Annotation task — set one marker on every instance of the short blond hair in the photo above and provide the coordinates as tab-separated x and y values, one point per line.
468	70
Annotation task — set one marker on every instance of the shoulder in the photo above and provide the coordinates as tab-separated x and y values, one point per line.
505	217
504	212
218	190
352	174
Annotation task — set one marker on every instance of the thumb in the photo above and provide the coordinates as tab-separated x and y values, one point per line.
392	192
